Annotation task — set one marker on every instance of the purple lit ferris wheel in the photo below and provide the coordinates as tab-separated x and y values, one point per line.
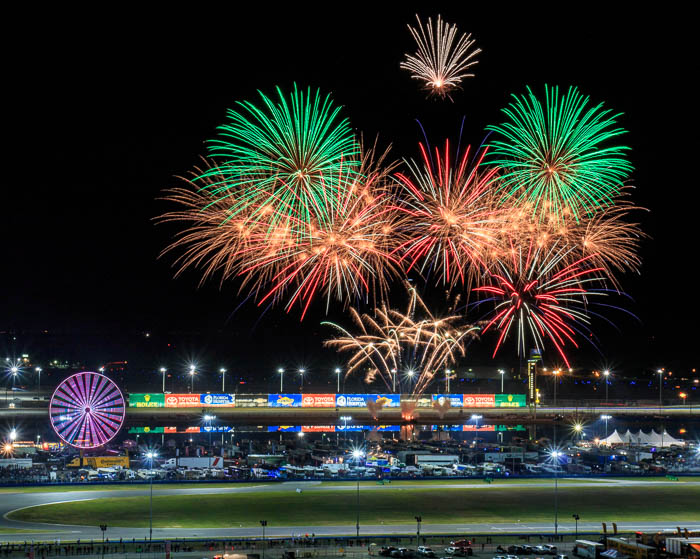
87	410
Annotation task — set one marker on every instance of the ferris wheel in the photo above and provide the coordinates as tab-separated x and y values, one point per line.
87	410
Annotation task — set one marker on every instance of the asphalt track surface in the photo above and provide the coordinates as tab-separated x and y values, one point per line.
48	532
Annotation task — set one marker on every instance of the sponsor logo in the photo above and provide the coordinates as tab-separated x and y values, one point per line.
479	400
318	401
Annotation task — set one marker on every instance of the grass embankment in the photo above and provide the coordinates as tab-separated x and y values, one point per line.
492	504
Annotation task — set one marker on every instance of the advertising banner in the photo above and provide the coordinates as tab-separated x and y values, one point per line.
283	428
146	400
221	400
387	428
456	400
510	400
318	400
481	428
252	401
360	400
318	428
348	428
169	429
216	429
182	400
284	400
446	427
143	430
479	400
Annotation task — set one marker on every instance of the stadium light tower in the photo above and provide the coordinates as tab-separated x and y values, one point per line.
151	456
281	373
193	372
502	373
337	374
357	454
223	379
606	375
163	370
660	372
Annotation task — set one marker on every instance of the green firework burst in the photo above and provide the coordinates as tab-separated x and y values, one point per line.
284	157
557	157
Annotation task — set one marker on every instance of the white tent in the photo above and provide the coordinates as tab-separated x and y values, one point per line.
613	438
663	440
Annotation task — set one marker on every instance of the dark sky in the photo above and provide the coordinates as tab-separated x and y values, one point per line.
107	108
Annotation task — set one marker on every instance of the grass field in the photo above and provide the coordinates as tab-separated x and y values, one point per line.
429	482
492	504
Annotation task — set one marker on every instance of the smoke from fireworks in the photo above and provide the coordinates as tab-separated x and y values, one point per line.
440	62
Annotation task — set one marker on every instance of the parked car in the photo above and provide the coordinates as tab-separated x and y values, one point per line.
386	551
423	550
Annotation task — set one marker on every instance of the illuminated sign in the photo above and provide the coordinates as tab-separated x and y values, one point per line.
183	401
479	400
318	401
360	400
318	428
456	400
510	401
221	400
284	400
146	400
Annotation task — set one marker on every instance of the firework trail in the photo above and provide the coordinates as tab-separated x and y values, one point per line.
440	62
413	343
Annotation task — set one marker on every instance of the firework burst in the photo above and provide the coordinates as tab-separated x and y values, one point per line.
441	61
283	156
414	344
346	255
541	297
455	224
555	157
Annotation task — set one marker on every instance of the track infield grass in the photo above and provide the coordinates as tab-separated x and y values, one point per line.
323	507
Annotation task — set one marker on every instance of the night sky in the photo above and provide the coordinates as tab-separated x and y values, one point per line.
108	108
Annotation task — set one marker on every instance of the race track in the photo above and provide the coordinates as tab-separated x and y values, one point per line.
13	501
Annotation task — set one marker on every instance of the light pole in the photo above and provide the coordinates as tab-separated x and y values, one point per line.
393	380
263	523
223	379
281	372
192	373
606	376
555	457
357	454
410	380
163	370
576	518
301	383
556	378
345	418
337	374
38	372
606	417
209	419
502	373
476	418
447	378
151	456
661	385
419	519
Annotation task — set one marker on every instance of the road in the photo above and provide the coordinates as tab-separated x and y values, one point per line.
13	501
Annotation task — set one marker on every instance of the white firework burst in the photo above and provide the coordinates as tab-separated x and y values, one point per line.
441	61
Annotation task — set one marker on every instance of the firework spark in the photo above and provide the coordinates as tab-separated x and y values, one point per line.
555	158
414	344
455	224
541	296
346	255
440	62
283	156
